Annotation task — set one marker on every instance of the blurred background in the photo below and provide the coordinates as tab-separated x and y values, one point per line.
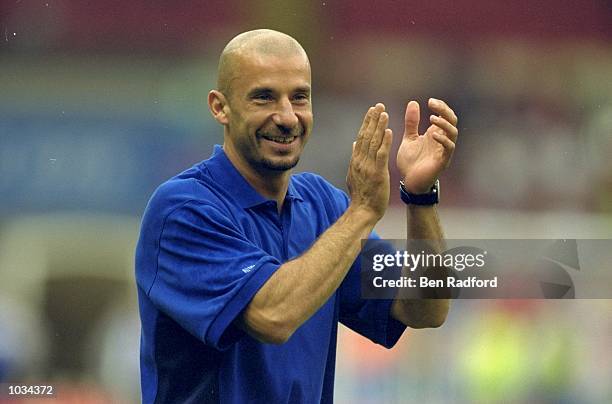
101	101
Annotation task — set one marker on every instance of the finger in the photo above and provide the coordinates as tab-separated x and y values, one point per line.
377	137
443	110
382	155
411	120
433	129
446	126
449	146
364	125
366	119
371	128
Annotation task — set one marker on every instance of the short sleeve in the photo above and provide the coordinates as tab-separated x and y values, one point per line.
207	273
368	317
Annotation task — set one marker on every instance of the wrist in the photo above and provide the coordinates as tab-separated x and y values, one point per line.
362	215
416	188
430	197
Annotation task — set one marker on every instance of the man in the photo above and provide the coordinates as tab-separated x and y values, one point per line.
244	270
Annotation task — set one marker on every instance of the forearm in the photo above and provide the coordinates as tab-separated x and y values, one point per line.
423	223
420	160
301	286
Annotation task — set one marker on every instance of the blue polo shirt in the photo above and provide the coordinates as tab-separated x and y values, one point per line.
208	242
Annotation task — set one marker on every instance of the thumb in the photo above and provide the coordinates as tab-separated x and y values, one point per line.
411	120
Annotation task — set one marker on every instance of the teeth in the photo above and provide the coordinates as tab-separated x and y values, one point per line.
281	139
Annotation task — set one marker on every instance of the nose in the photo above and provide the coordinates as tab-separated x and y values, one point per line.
285	116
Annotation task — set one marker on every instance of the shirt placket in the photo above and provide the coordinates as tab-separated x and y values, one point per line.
285	226
281	223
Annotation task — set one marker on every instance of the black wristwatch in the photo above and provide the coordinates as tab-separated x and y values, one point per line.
430	198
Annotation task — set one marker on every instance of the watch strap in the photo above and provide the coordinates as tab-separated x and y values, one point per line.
430	198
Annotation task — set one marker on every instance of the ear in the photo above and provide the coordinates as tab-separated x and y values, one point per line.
218	106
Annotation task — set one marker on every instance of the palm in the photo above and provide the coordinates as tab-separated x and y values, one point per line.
420	159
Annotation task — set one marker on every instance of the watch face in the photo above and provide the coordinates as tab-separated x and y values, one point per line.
437	189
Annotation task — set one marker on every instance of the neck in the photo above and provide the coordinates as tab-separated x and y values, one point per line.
268	183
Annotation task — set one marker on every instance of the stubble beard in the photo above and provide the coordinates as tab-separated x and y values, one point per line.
262	163
270	165
266	164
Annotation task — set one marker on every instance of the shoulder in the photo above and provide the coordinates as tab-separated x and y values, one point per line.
191	188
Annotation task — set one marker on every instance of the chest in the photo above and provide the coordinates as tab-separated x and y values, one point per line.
287	234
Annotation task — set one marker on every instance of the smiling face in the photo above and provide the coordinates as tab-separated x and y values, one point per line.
269	111
263	101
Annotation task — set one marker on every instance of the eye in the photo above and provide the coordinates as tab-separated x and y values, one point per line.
262	97
301	97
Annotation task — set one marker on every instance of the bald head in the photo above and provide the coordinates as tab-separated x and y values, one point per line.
256	43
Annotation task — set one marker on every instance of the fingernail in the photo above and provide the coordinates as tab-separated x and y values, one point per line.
434	102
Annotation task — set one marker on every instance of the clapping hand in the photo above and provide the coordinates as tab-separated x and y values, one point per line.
421	158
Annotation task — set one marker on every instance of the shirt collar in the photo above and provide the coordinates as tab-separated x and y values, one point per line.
224	173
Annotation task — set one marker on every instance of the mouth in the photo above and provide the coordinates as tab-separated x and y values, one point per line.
280	139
